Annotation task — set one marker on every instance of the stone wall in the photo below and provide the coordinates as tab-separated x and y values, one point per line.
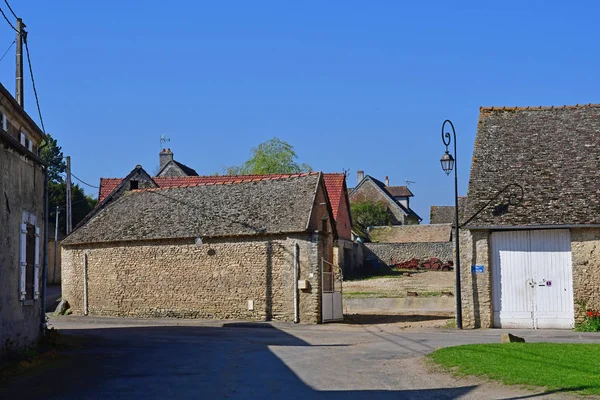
476	288
22	197
391	253
177	278
585	248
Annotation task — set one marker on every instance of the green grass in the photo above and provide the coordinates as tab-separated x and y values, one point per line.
555	366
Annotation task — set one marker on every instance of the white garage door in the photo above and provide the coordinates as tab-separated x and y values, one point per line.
532	279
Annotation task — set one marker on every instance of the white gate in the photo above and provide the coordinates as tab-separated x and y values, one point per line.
331	281
532	279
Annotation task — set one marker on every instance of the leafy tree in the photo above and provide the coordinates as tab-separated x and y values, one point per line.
81	204
369	213
53	156
274	156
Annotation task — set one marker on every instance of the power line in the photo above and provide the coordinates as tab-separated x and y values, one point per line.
6	52
85	183
7	20
11	10
37	101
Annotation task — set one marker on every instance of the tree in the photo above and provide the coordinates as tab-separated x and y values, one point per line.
53	156
274	156
369	213
81	203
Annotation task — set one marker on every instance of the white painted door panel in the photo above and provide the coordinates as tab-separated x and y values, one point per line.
512	294
532	279
551	259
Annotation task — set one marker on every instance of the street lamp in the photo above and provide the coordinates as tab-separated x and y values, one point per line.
448	164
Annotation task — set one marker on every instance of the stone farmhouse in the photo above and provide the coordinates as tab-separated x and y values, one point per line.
227	249
22	180
533	263
345	251
396	198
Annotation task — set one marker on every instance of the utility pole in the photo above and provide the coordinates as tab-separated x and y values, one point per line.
68	183
20	37
55	244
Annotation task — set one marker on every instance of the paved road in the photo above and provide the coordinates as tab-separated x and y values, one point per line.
131	359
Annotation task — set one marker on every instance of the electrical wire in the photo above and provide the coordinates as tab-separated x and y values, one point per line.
37	101
7	20
6	52
85	183
11	10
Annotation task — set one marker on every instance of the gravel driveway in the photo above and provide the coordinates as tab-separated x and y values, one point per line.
171	359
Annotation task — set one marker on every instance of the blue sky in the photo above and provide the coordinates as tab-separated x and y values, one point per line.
350	84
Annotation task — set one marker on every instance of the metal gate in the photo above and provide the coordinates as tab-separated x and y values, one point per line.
331	282
532	279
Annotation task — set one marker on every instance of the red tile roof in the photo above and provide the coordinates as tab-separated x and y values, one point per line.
107	185
334	183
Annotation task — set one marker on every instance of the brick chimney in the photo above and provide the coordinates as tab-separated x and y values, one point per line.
387	181
360	175
165	156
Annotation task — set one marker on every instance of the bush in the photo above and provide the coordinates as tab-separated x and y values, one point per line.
591	322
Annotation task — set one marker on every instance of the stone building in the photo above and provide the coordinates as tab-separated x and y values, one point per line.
531	259
345	251
206	250
169	167
446	214
396	198
21	226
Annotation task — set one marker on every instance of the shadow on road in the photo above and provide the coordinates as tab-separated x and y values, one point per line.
370	319
235	361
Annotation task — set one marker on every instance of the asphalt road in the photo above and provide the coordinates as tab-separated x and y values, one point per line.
157	359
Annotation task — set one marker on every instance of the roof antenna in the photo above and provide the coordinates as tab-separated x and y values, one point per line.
408	183
346	172
163	141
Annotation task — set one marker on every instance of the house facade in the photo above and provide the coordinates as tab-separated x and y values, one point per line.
208	250
345	251
396	198
21	226
531	258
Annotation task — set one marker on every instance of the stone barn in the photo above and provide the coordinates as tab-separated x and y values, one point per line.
531	258
249	249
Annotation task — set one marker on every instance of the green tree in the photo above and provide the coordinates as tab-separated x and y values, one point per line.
274	156
53	156
369	213
81	204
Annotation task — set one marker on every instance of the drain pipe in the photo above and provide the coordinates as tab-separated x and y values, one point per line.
85	284
296	310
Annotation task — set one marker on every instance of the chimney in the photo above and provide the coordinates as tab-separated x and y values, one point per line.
387	181
360	175
165	156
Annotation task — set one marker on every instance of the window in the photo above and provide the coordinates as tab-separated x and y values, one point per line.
3	122
25	141
133	185
29	262
324	226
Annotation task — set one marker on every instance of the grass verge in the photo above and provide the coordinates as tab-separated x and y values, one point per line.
559	367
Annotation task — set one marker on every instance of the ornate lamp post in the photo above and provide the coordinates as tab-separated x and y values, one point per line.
448	164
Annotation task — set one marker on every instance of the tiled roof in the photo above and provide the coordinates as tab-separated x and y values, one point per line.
399	191
187	170
249	207
411	233
552	152
333	183
384	188
107	185
445	214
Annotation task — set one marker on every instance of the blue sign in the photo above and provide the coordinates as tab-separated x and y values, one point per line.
477	269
